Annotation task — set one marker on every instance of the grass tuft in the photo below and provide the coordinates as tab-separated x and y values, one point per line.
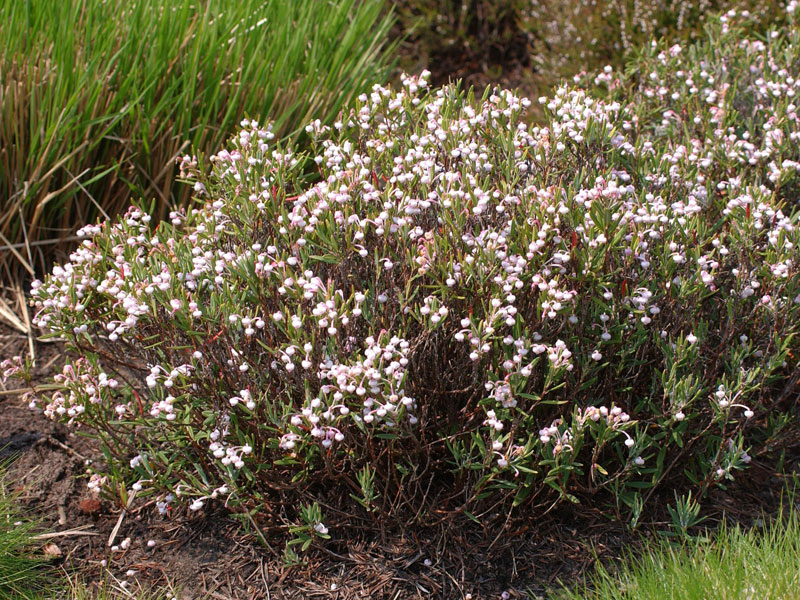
21	573
112	588
739	563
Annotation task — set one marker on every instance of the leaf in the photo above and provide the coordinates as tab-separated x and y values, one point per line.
639	485
326	258
472	517
522	494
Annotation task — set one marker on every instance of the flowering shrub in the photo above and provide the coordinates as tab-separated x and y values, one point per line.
463	312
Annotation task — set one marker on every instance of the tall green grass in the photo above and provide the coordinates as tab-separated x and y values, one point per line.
98	97
738	564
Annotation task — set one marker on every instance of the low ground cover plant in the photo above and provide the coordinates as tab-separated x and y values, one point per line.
99	98
464	316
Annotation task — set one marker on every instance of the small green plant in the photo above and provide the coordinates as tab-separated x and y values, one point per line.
368	494
25	573
110	588
685	515
310	529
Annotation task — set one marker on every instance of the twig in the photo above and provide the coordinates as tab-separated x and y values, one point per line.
70	532
52	361
264	578
20	258
63	446
114	532
259	532
13	392
37	388
76	179
113	535
28	327
25	235
49	242
11	317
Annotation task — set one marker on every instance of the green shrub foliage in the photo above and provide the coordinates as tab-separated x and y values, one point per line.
464	313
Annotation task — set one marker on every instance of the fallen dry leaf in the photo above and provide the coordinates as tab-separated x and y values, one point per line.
89	506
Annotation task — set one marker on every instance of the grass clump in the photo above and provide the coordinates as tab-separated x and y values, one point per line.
464	316
111	588
738	563
22	572
99	99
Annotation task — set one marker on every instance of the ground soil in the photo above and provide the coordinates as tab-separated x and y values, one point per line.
210	556
486	54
